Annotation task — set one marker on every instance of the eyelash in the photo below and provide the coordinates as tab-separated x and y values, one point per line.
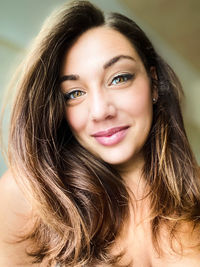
67	96
126	77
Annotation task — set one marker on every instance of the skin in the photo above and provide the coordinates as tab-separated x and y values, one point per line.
103	101
97	101
15	215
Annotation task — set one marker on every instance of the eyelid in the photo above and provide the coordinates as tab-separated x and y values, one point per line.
67	94
127	75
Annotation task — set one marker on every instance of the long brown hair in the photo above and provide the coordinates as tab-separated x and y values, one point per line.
81	202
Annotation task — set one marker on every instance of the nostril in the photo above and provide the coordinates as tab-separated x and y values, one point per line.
101	105
103	112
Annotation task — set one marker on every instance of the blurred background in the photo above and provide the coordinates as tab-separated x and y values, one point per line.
172	26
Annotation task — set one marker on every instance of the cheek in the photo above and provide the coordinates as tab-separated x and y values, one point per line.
138	103
76	118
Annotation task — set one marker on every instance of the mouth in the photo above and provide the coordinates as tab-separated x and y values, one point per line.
111	136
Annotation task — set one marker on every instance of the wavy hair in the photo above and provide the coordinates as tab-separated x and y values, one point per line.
81	202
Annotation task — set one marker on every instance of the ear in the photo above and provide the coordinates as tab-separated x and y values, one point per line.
154	79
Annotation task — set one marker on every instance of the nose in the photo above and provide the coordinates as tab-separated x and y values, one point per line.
101	106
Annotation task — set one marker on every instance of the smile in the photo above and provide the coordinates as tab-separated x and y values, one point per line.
111	136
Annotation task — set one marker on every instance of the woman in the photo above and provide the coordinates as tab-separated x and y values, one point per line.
100	163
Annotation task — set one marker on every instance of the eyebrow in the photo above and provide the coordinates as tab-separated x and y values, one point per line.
71	77
112	61
115	59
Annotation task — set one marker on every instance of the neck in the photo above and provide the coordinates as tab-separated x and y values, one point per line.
131	172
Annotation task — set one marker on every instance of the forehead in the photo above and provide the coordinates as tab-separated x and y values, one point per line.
100	44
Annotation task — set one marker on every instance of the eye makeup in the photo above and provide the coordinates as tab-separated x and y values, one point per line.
118	80
121	78
74	94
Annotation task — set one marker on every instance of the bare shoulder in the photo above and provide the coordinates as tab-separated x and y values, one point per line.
15	215
13	205
183	251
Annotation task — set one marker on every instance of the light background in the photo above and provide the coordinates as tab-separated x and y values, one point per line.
173	27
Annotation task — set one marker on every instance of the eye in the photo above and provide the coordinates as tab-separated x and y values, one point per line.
122	78
74	94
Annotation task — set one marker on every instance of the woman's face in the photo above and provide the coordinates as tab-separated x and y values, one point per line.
108	95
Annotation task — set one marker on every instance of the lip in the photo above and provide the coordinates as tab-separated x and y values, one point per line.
111	136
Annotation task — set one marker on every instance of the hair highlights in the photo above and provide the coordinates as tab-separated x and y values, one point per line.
80	201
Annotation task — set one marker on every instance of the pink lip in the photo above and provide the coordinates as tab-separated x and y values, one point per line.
111	136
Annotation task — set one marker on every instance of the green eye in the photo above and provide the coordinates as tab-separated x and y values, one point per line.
122	78
74	94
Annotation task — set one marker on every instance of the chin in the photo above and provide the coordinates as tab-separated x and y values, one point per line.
123	156
127	161
119	158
